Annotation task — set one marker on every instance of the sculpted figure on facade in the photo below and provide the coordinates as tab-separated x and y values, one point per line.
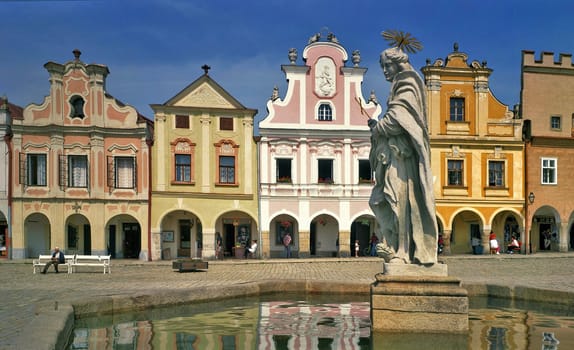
402	198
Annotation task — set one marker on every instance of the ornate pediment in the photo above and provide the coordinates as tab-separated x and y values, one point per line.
204	96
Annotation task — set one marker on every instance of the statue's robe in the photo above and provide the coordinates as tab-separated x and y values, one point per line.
402	198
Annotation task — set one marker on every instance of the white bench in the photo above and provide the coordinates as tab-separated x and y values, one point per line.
44	259
91	260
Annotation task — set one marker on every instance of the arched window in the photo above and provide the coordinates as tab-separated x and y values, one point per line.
325	113
77	107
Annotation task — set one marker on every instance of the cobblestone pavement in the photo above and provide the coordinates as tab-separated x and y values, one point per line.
22	291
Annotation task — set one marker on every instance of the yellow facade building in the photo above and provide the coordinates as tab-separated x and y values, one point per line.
477	156
204	183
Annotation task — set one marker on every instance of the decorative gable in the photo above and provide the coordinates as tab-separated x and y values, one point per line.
203	96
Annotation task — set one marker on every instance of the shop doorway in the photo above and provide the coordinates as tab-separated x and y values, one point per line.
360	232
132	240
112	241
87	240
228	239
313	239
545	237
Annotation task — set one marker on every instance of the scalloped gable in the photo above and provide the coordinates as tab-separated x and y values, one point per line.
206	93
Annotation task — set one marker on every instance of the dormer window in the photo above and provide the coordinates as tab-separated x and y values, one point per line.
325	113
77	107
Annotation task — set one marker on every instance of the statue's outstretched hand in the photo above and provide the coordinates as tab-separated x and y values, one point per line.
372	123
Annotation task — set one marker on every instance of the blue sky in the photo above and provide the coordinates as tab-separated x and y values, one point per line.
155	48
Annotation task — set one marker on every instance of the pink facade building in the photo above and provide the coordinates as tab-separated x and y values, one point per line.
315	175
80	169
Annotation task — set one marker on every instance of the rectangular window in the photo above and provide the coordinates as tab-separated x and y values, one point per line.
496	173
125	172
456	109
365	172
555	123
549	168
455	173
37	170
226	123
226	170
182	122
183	167
78	171
325	173
283	170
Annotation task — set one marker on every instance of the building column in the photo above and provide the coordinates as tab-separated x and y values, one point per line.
563	237
264	244
446	241
486	240
208	247
344	246
156	245
304	244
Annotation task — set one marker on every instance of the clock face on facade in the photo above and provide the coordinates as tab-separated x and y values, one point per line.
325	82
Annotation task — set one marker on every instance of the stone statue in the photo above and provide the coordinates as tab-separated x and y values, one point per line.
356	56
402	198
292	55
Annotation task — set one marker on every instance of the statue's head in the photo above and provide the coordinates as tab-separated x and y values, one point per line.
393	60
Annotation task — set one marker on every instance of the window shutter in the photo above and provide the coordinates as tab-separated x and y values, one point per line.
135	174
22	177
111	173
62	179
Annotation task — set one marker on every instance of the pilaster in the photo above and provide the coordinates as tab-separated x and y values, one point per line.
304	244
344	246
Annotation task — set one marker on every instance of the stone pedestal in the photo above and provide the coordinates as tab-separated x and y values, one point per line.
418	299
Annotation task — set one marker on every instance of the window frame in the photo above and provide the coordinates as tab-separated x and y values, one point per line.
177	167
546	169
456	111
282	167
555	119
362	164
324	112
498	174
113	175
182	146
77	101
73	180
458	172
224	178
226	124
227	148
182	121
323	163
38	177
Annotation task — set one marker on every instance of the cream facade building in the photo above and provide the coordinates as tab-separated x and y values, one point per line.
477	156
314	155
80	165
205	177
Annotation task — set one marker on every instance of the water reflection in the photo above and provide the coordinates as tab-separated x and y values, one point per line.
319	322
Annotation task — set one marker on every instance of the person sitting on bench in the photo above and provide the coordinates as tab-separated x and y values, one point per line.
57	258
513	246
250	251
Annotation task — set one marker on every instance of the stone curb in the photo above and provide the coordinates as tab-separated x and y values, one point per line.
53	323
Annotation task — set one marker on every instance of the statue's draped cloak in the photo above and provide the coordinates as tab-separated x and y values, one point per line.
402	198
